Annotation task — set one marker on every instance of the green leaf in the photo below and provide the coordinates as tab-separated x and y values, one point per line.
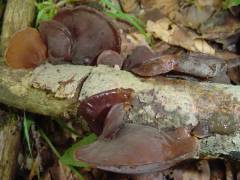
27	122
66	127
46	11
230	3
69	156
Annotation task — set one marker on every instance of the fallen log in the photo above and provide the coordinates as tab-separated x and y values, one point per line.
160	102
17	91
17	15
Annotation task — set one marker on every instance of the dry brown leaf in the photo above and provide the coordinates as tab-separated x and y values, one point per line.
167	7
61	172
169	32
200	172
234	75
130	6
220	26
35	168
189	14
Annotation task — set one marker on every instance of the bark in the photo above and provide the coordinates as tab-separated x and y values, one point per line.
16	91
159	102
17	15
10	136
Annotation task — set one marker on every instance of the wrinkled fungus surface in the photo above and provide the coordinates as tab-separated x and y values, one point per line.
81	34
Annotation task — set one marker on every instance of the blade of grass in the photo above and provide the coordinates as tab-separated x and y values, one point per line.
27	122
54	150
110	5
65	126
117	13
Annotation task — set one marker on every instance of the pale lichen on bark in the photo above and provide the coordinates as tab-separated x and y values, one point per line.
170	102
62	81
16	91
158	102
220	146
104	78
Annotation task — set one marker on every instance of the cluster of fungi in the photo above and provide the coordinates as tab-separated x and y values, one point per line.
84	36
77	35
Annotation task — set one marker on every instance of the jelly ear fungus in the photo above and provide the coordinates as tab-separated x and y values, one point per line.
94	109
140	149
84	34
130	147
25	49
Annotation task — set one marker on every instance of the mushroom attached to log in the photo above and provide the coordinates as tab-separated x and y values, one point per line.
113	121
140	149
116	148
110	58
91	32
25	49
58	39
146	63
95	108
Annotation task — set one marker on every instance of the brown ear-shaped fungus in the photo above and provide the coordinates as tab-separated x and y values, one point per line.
95	108
91	31
139	55
144	62
140	149
200	65
65	16
58	39
114	121
25	49
156	66
110	58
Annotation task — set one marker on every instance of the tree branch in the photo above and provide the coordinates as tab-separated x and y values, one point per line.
160	102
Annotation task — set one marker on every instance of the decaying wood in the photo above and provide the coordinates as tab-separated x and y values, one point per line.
159	102
17	91
10	136
18	15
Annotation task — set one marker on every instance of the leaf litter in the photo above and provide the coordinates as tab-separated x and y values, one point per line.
194	40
